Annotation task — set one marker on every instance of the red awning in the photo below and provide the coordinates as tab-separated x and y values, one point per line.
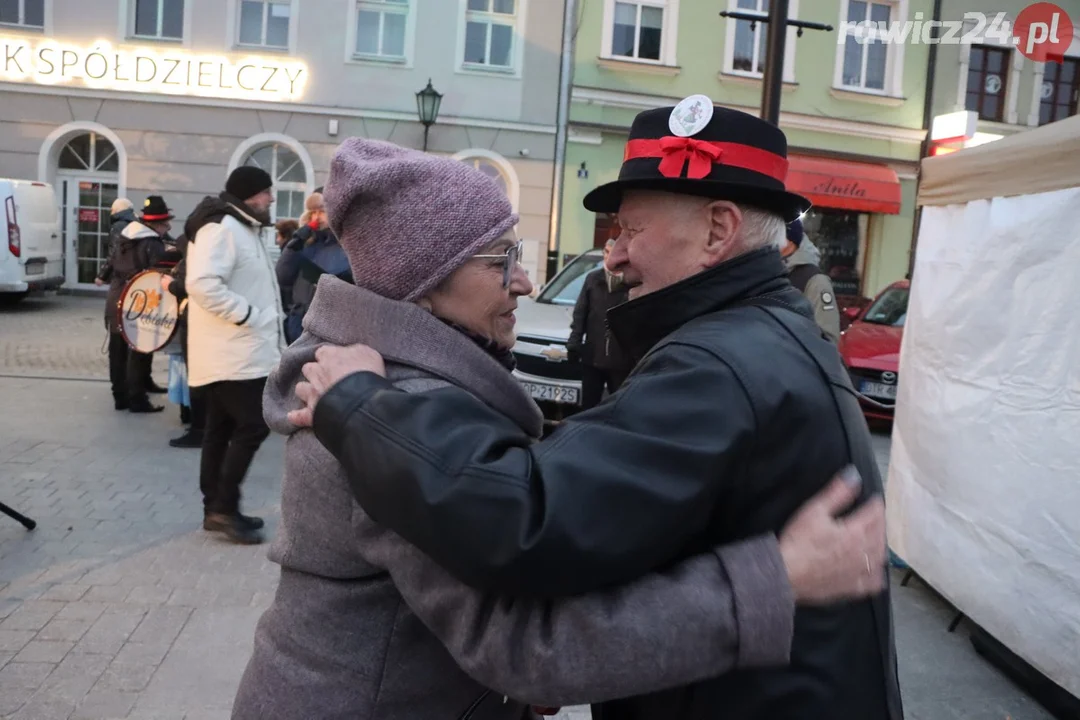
845	185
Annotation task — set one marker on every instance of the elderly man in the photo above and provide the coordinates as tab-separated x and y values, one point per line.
737	411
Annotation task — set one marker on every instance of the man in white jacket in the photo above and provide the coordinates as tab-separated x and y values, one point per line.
235	339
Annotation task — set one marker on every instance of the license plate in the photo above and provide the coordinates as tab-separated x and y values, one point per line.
35	268
879	390
554	393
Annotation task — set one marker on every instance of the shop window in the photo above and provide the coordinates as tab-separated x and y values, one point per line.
865	61
1060	90
89	153
290	178
490	26
25	13
840	237
988	75
159	19
265	23
381	27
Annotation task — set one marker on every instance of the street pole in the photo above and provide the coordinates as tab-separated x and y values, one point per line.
928	117
562	122
774	62
778	23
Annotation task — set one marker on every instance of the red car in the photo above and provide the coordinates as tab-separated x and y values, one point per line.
870	347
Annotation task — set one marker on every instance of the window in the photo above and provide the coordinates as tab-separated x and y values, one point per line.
489	33
381	28
751	43
565	289
988	69
162	19
866	55
1060	90
889	309
290	178
637	31
89	153
840	236
265	23
28	13
490	169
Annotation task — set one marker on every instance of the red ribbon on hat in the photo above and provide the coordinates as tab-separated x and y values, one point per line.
700	155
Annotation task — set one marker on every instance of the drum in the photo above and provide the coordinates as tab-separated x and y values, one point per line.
147	313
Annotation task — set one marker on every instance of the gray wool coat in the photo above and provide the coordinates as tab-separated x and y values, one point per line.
365	626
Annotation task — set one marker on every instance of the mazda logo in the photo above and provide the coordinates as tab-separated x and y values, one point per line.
889	378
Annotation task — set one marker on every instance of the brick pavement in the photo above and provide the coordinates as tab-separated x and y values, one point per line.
118	606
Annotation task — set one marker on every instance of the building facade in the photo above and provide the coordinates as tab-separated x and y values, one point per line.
125	98
852	112
991	76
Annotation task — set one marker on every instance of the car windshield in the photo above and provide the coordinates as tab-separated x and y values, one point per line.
889	309
566	286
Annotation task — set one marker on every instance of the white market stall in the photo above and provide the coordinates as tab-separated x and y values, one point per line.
984	486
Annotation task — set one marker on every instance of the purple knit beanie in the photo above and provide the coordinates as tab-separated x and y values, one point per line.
406	219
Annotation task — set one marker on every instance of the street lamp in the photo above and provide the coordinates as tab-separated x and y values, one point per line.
428	101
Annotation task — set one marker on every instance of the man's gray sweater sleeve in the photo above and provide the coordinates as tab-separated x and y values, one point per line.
713	613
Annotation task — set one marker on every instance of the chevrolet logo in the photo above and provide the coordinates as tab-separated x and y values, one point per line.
554	353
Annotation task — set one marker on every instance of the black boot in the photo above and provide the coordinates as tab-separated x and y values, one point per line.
190	439
234	528
121	403
145	407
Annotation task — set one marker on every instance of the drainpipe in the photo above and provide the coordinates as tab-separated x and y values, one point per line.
928	119
566	78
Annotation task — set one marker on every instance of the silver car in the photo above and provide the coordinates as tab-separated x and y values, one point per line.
543	327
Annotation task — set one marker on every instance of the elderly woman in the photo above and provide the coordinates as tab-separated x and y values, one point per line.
365	626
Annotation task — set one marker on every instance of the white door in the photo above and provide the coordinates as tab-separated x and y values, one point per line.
86	202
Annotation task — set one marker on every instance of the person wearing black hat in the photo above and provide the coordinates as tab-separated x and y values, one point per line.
737	411
235	339
804	271
140	246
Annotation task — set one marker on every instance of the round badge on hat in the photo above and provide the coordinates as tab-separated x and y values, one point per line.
691	116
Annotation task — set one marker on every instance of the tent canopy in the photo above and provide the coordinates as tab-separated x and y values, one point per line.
1036	161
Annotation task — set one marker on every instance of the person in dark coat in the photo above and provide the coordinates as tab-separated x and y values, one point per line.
313	251
140	245
602	362
737	411
122	214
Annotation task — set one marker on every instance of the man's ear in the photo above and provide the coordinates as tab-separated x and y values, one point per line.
725	219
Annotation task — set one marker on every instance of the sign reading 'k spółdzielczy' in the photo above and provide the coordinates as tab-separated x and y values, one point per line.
150	70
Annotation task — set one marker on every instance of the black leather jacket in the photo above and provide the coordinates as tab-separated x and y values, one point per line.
737	413
589	336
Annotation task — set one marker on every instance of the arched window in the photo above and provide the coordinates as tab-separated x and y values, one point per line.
289	174
495	167
490	169
89	152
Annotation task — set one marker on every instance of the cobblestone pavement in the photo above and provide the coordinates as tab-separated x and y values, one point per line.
118	606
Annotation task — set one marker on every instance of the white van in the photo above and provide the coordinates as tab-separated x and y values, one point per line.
31	244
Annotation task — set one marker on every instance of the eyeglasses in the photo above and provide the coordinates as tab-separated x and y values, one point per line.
510	259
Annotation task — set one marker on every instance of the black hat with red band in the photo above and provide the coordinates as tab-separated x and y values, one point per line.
696	148
155	210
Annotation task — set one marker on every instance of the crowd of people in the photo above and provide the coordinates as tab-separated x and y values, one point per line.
708	539
238	310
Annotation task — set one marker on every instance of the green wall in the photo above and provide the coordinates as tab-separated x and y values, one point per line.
701	37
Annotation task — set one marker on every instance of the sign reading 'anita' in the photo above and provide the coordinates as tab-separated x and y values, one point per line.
166	71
